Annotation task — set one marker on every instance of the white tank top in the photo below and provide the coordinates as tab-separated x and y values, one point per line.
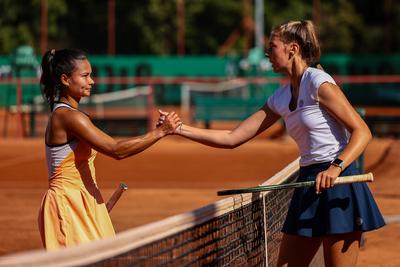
318	135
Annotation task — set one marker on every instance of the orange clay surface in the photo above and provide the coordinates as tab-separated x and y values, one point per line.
177	175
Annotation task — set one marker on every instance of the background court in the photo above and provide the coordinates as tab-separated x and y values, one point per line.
176	176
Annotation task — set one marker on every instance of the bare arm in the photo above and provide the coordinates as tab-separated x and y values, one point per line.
80	126
246	130
333	99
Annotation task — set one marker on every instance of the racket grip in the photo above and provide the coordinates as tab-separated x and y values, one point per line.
122	187
368	177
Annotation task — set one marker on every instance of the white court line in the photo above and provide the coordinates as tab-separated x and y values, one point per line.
389	219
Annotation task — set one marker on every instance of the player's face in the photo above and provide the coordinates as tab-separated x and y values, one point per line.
277	53
80	82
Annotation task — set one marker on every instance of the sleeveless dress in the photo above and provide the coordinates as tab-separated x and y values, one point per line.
72	211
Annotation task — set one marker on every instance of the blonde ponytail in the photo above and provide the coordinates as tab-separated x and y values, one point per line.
304	34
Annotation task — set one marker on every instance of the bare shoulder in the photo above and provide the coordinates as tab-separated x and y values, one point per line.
329	92
333	99
71	117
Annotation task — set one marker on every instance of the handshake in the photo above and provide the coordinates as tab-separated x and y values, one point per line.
169	122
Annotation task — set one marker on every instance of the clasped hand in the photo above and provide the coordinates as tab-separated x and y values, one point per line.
169	122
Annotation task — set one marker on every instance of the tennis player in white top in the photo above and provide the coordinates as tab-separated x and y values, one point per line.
330	136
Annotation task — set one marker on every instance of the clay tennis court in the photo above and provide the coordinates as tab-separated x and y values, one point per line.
177	175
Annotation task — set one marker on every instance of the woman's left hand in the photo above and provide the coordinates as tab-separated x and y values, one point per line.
326	179
168	122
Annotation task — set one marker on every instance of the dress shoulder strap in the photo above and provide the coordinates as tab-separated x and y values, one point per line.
61	105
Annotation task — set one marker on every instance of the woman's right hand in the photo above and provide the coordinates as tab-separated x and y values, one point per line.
161	118
168	122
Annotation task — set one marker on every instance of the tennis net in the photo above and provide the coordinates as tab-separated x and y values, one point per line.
191	90
121	113
128	102
242	230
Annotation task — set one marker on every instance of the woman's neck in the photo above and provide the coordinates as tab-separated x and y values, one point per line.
296	72
69	100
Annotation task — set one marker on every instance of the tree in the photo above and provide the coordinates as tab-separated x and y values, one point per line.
340	24
20	23
149	26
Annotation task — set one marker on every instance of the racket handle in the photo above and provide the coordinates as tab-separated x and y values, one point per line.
122	187
368	177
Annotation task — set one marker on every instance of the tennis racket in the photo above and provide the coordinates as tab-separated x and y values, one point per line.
122	187
368	177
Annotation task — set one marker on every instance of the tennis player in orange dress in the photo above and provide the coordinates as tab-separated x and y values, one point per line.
73	210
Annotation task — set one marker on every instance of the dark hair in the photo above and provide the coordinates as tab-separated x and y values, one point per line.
54	64
304	34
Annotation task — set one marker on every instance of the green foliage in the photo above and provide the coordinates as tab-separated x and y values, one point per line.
84	26
20	23
14	23
339	22
395	27
277	12
150	26
209	23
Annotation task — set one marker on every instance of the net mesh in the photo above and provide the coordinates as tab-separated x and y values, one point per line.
233	239
277	204
121	113
133	101
243	230
231	88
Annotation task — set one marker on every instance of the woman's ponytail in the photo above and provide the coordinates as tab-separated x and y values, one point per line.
47	78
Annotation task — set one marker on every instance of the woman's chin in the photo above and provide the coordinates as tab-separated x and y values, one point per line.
275	69
86	94
278	69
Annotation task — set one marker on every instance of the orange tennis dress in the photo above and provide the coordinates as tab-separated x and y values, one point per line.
72	211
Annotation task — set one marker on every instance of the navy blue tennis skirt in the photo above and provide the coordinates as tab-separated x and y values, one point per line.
341	209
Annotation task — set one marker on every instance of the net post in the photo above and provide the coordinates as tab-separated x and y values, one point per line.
185	98
32	121
150	106
19	113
